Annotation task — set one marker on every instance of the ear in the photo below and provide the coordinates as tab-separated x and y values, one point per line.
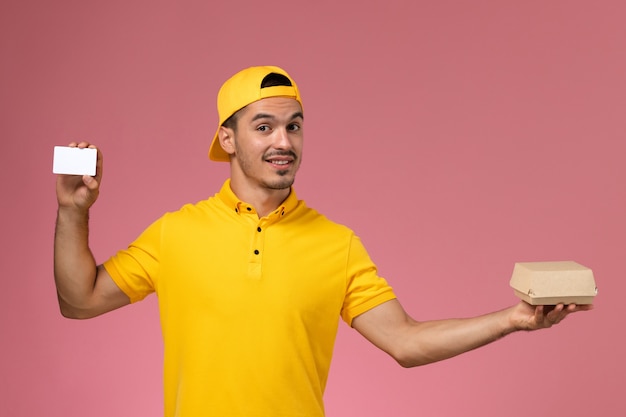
227	139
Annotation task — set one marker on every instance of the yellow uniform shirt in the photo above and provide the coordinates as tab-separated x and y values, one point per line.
249	307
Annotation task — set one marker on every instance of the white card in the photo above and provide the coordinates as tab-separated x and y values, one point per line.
74	161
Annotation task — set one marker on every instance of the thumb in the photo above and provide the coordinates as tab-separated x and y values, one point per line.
91	183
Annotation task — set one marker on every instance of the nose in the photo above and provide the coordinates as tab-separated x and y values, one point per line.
282	139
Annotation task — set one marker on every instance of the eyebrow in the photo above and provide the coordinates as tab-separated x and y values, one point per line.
269	116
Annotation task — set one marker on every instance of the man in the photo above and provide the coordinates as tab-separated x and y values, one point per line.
251	282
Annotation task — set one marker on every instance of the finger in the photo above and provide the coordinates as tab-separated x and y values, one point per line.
539	314
582	307
573	308
565	311
557	313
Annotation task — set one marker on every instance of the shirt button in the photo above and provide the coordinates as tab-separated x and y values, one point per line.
256	251
249	208
258	229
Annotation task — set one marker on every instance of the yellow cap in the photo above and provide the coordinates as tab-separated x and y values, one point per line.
242	89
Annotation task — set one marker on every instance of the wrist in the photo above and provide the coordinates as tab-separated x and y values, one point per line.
508	322
72	214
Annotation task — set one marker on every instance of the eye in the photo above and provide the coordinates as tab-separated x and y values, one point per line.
263	128
293	127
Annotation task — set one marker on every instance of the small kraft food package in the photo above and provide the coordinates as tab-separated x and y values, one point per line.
551	283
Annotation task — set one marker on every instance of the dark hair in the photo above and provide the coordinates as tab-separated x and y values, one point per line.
272	79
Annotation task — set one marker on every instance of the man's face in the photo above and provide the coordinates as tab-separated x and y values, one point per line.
267	143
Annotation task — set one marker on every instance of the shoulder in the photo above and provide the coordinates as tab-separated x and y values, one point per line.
194	213
315	221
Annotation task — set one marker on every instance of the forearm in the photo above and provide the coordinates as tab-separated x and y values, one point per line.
75	268
412	343
437	340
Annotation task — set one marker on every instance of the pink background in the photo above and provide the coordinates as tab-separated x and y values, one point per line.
455	137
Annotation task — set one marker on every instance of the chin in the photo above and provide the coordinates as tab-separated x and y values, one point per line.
280	183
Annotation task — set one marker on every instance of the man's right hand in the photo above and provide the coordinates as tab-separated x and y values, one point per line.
76	192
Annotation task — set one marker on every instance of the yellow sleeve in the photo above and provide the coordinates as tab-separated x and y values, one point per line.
365	289
136	269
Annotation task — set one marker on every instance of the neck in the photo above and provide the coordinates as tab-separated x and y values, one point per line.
264	200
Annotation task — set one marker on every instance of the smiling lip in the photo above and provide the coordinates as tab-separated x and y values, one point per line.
281	161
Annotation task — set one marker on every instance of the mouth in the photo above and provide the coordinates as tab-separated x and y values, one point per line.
281	161
278	161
